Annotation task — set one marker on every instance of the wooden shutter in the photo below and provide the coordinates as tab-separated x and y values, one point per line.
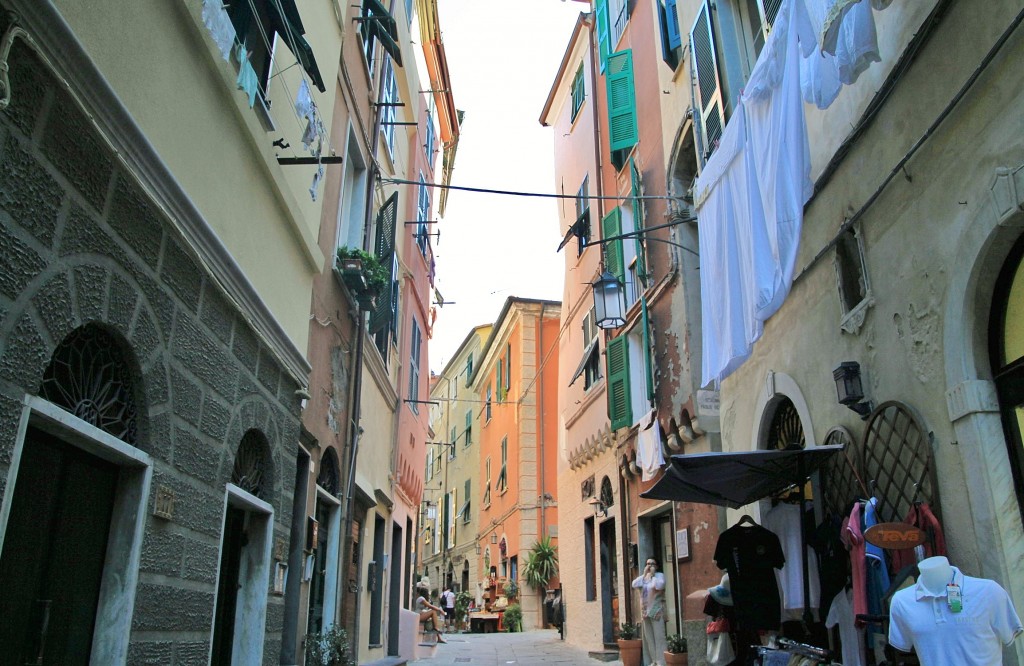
710	116
638	221
648	361
385	250
611	225
622	128
603	31
675	40
620	412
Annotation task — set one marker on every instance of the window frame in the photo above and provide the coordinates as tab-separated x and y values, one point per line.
415	344
578	93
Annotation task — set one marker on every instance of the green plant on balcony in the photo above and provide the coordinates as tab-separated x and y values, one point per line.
541	564
361	272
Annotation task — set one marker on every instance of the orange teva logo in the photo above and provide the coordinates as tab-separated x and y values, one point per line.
894	536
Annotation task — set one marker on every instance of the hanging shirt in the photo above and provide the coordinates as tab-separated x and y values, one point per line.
725	202
247	79
855	538
975	636
784	521
856	43
303	101
935	542
840	615
751	555
780	155
648	447
819	72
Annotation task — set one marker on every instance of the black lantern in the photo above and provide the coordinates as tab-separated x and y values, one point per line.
849	389
609	301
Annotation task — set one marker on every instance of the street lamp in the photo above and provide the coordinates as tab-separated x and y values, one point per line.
849	389
609	301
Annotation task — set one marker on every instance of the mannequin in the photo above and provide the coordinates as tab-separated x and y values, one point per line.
935	573
950	618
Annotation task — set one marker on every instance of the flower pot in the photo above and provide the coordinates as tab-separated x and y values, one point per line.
676	659
354	280
630	651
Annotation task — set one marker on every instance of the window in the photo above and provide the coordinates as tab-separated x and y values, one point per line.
590	363
581	229
578	92
508	368
423	216
671	40
725	40
469	427
630	375
352	210
450	497
430	467
618	15
624	258
487	478
454	441
501	381
852	280
622	125
258	24
414	366
377	25
389	105
469	369
467	506
428	147
487	405
502	484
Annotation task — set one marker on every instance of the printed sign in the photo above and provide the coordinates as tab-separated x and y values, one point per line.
894	536
708	402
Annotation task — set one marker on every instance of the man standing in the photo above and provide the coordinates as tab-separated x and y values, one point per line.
448	601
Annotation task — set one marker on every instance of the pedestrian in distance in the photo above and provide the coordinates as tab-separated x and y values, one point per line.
448	601
652	600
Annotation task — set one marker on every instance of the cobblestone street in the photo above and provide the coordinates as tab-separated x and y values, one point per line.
497	649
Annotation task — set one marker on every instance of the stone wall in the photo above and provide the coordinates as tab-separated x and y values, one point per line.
81	242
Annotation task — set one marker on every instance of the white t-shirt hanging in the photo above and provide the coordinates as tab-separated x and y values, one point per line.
856	45
819	72
784	521
841	615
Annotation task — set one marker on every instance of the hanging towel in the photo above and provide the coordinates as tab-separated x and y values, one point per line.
217	21
303	102
247	79
648	447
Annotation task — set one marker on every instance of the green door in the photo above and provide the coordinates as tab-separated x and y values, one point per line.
54	548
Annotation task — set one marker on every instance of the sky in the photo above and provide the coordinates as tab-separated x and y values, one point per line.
502	59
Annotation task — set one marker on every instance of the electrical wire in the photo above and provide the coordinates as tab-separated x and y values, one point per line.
514	193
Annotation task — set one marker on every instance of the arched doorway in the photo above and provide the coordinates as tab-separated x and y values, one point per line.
73	524
1006	345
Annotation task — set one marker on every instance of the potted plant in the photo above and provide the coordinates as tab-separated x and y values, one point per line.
675	652
512	618
462	603
630	644
331	648
541	564
362	273
511	589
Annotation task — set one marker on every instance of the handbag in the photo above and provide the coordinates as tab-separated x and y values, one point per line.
720	651
718	626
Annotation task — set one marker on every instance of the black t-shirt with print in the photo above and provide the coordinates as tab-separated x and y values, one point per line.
751	555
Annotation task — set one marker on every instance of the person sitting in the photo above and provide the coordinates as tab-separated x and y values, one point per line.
428	612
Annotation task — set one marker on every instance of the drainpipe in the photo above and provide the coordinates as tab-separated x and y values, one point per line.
591	22
355	431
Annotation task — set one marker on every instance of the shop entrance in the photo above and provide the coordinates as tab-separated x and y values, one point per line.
54	551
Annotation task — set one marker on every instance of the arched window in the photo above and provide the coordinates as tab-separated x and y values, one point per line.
1006	345
251	472
785	429
89	375
328	476
607	499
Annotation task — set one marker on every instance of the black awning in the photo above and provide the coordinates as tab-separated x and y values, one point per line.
583	363
577	229
737	479
289	26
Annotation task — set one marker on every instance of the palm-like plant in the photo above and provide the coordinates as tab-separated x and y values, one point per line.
541	564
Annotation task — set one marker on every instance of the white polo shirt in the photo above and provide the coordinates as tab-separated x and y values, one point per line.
975	636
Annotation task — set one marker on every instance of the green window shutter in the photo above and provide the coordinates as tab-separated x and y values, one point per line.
620	412
638	221
385	250
469	427
710	116
611	226
501	383
622	132
603	31
648	360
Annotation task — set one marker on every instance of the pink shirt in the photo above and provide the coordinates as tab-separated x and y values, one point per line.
857	562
